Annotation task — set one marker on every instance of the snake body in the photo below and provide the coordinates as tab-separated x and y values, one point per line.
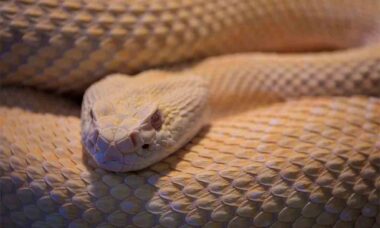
65	45
238	140
123	106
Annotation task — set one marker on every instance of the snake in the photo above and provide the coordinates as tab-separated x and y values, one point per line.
244	113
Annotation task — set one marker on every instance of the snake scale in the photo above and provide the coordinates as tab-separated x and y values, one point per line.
233	140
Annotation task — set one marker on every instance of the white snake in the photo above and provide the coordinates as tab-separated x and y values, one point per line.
119	114
133	123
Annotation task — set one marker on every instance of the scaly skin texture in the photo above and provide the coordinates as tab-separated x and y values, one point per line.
314	162
117	138
65	45
310	162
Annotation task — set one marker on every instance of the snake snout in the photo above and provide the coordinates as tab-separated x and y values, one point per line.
131	142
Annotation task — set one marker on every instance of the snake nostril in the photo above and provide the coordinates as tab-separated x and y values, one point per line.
145	146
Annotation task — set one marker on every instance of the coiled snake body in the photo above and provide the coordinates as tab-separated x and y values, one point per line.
201	144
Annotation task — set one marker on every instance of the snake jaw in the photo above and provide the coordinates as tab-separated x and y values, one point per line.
111	154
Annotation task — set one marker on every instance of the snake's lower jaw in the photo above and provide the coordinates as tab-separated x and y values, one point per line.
113	159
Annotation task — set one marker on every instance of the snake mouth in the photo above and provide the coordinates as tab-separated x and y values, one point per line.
119	149
113	160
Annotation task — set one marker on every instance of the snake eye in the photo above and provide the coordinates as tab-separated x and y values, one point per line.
92	114
156	120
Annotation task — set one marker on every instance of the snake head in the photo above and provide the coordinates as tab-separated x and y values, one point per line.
138	126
